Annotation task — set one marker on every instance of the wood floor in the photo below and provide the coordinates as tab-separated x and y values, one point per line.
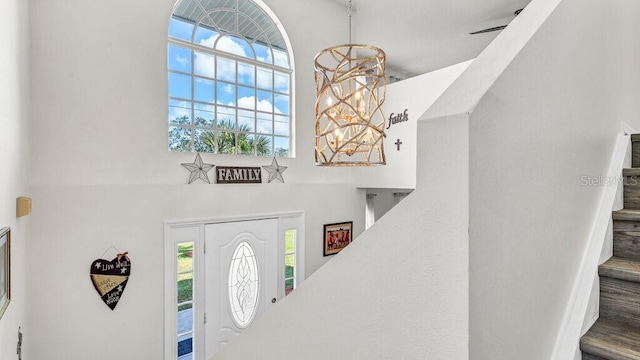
616	334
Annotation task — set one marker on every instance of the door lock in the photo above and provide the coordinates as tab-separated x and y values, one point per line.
273	301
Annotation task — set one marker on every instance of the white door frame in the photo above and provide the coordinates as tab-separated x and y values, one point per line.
177	231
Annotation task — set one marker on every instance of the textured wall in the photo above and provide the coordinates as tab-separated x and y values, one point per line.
102	174
546	100
400	290
14	159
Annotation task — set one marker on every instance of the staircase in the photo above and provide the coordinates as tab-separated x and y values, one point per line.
616	334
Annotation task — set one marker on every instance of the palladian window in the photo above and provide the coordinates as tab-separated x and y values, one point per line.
230	80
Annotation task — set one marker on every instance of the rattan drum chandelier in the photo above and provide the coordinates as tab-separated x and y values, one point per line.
350	89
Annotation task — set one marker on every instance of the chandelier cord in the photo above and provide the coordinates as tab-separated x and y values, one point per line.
350	21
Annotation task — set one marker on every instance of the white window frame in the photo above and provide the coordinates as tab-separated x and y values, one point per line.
256	63
176	232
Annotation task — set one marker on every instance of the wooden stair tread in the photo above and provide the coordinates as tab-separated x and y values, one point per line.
627	214
612	341
631	171
620	268
635	137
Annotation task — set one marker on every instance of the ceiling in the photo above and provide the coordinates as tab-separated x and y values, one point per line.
419	36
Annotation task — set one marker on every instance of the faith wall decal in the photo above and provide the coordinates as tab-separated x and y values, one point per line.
398	118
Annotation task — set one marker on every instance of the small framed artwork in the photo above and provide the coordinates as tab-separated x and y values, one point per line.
337	237
5	269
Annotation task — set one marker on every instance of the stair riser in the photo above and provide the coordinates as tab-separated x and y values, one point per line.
626	239
616	334
631	192
635	154
620	301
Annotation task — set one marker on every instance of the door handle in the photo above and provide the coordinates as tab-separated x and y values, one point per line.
273	301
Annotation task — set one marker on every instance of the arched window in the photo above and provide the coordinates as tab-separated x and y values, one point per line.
230	80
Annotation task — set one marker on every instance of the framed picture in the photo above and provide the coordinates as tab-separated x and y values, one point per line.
5	269
337	237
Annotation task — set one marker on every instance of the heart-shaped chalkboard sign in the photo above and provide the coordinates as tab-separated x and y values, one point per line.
110	278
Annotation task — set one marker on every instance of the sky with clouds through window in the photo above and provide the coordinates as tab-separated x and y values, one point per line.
260	94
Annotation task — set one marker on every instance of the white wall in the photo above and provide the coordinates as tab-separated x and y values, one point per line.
400	290
545	101
415	95
102	175
105	76
75	225
99	68
14	158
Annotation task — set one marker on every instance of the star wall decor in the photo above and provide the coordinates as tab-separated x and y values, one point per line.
198	170
275	171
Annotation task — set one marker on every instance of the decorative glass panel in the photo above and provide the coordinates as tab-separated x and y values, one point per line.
244	283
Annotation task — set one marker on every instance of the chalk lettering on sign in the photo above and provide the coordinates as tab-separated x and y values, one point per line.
398	118
105	282
113	298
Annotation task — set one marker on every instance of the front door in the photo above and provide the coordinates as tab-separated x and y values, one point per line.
241	277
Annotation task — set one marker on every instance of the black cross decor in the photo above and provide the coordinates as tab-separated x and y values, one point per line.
398	143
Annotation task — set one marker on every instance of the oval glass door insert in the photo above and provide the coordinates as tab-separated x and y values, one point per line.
244	282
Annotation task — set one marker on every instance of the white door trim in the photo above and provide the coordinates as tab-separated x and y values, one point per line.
176	231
